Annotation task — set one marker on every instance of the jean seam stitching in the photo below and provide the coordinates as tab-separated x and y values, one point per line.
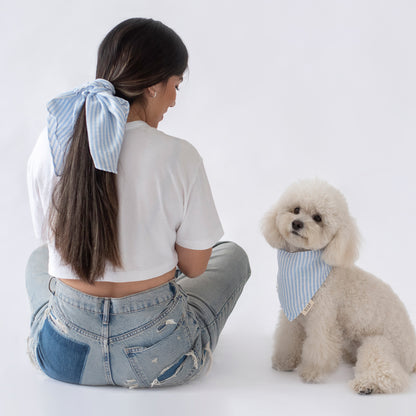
148	325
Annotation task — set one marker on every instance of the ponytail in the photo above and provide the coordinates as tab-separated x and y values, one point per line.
135	55
84	218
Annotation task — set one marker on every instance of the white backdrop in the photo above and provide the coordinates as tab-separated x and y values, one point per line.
276	91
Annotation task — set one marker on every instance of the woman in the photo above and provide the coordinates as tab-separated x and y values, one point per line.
130	224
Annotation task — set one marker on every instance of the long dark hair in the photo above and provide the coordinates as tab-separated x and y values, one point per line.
135	55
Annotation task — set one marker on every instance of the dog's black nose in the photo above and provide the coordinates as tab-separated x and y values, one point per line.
297	225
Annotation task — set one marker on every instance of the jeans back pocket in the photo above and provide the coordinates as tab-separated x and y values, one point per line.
171	361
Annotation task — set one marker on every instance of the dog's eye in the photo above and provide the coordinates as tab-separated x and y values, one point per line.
317	218
296	210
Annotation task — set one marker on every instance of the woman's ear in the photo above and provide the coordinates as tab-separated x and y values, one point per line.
343	249
152	91
269	229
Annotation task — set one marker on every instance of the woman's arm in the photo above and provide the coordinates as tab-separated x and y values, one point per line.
192	262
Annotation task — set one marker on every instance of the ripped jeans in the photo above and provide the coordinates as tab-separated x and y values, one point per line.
161	337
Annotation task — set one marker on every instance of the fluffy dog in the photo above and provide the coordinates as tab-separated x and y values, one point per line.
355	315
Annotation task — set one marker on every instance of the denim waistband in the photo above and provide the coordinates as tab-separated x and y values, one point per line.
127	304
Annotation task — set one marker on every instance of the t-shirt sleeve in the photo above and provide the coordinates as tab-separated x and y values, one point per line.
39	172
36	209
201	227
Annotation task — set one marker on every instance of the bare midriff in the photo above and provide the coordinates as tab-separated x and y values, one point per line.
116	289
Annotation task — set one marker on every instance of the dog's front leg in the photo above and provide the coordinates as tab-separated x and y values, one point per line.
322	349
288	340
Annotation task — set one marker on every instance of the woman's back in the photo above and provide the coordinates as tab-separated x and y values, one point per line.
164	198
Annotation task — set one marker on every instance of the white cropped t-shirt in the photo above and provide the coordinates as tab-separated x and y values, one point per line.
164	198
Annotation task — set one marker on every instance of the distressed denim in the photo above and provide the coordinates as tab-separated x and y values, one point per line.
161	337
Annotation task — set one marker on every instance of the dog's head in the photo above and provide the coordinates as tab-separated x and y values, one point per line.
313	215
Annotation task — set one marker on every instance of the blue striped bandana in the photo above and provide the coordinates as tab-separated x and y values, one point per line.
106	117
299	277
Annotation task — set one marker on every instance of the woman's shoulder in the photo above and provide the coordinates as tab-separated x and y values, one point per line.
181	146
150	139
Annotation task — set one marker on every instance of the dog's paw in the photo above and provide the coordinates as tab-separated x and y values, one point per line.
365	392
387	383
281	365
364	387
311	374
286	363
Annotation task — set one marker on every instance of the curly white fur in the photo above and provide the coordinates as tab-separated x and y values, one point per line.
355	315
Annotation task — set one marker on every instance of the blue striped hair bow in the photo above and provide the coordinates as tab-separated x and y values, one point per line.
300	276
106	117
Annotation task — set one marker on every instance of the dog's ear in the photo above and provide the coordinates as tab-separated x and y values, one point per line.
270	230
343	249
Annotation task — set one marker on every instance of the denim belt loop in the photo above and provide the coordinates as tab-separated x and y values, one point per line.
52	289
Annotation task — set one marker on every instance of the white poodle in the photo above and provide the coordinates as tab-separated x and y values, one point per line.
354	315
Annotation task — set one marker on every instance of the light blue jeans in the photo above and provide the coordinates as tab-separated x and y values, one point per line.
161	337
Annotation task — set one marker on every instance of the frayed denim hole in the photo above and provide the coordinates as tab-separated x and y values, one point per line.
170	372
166	323
172	375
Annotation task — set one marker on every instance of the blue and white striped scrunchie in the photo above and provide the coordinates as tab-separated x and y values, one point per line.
106	117
299	277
